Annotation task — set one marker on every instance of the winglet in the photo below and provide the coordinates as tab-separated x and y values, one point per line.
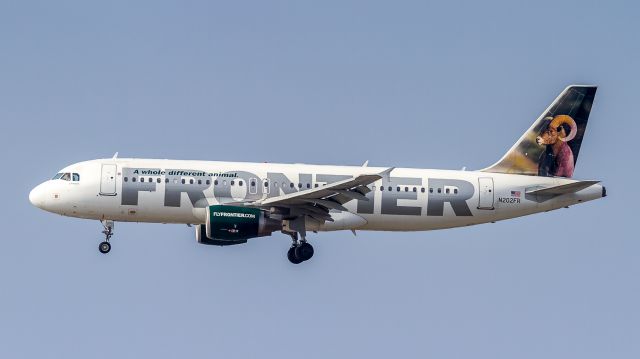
115	155
386	173
366	163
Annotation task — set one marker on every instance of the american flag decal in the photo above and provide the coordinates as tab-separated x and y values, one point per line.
515	194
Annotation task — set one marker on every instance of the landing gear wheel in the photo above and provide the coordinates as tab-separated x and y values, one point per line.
291	255
104	247
304	251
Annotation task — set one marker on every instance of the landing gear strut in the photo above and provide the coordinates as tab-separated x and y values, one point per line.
105	246
300	250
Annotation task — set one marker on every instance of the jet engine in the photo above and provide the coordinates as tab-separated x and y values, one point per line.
228	225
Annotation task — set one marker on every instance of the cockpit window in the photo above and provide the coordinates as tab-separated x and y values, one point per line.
66	176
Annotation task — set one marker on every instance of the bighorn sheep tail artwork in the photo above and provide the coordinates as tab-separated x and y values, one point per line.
550	147
557	159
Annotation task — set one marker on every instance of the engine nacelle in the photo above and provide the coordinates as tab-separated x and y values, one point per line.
226	225
201	237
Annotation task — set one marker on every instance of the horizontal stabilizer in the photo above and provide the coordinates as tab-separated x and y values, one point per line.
562	189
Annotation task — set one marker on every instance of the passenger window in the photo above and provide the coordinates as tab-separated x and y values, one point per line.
215	183
308	185
133	179
158	180
166	180
422	189
455	191
141	179
199	181
233	183
208	182
398	188
240	183
253	183
183	181
415	189
381	188
430	190
299	185
406	189
316	185
291	184
446	191
126	179
266	184
439	190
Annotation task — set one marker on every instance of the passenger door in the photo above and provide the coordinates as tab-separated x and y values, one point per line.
108	180
485	186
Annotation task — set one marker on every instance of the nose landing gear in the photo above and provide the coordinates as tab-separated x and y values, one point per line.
300	250
105	246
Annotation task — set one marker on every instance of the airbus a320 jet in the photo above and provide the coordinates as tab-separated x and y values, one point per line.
229	203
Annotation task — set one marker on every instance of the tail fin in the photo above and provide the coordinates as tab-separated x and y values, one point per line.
551	146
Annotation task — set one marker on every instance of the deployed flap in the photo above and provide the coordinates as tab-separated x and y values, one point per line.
562	189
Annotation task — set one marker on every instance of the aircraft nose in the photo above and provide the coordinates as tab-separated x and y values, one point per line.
37	196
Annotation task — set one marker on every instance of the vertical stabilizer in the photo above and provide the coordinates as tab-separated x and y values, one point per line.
551	146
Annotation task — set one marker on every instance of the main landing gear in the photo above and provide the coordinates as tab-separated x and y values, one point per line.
300	250
105	246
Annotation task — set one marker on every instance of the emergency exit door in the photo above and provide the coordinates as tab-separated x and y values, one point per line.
108	180
253	186
485	186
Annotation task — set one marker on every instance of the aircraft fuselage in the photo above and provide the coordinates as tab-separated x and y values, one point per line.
175	191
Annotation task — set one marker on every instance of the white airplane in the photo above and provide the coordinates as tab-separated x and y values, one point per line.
231	202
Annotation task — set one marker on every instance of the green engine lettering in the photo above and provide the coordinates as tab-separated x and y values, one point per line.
233	223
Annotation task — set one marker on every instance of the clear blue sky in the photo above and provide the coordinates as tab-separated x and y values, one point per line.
414	84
